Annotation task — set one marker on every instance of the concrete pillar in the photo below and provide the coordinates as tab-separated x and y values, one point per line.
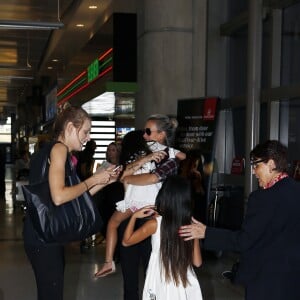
168	54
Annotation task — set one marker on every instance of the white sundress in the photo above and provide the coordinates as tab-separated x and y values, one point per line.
138	196
156	288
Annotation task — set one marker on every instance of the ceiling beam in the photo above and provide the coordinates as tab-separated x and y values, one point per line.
29	25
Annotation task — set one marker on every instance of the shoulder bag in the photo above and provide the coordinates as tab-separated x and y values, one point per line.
72	221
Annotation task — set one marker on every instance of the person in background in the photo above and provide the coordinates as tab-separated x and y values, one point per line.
113	153
170	273
84	166
22	165
71	131
86	161
268	242
106	199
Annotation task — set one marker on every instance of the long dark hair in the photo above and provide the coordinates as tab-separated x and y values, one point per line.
173	203
133	146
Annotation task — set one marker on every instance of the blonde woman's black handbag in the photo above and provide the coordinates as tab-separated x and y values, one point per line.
71	221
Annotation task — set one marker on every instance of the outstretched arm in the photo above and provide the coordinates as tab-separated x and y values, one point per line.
136	165
169	167
61	193
194	231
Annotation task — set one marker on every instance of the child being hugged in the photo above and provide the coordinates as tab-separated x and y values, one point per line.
170	274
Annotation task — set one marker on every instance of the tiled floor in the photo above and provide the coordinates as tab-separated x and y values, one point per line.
17	281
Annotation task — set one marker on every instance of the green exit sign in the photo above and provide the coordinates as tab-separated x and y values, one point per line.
93	70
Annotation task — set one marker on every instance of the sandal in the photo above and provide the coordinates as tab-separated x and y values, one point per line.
107	271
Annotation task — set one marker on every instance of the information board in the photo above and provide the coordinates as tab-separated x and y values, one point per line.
197	120
197	123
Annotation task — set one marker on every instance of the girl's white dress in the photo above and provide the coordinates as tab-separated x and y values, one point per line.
156	288
138	196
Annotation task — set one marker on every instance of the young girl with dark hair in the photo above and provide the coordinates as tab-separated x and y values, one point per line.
170	273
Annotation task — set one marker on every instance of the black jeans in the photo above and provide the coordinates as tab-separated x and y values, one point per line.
130	259
48	263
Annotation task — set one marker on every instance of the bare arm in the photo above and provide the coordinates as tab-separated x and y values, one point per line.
197	257
101	176
61	193
181	155
141	179
167	168
131	236
136	165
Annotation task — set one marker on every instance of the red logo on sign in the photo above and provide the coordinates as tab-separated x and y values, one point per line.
209	111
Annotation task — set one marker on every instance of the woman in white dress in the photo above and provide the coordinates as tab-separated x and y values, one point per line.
170	274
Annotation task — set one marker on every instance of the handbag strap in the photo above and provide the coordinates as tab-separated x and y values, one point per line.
39	164
46	161
69	167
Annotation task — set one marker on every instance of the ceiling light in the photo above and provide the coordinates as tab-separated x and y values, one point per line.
93	6
12	24
79	25
103	104
55	60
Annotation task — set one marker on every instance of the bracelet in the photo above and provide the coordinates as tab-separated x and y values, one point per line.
87	187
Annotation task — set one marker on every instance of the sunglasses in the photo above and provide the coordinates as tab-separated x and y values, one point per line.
148	131
255	163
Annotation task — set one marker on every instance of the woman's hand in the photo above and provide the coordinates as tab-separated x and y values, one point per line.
108	175
157	156
114	172
102	177
144	212
194	231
